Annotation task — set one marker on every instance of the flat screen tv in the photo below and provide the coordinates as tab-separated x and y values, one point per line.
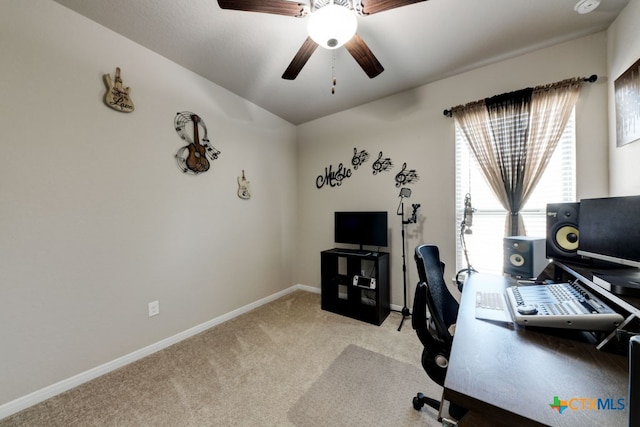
610	230
361	228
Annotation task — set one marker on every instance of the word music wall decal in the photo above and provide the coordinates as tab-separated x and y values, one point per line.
334	177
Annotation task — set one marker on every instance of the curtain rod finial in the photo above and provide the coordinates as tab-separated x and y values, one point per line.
592	78
447	113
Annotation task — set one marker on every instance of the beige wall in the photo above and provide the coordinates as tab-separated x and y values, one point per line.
96	220
410	127
623	49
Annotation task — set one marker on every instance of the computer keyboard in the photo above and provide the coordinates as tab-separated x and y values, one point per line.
490	300
561	305
491	306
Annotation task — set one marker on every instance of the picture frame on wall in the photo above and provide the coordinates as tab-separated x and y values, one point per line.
627	98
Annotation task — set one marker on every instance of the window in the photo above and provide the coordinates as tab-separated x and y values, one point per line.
485	244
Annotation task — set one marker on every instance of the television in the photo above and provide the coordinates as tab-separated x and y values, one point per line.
610	230
361	228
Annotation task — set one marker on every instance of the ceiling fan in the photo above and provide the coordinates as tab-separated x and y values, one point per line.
332	24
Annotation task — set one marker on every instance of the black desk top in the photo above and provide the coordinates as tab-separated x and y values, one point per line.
513	374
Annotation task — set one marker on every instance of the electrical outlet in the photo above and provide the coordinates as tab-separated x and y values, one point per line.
154	308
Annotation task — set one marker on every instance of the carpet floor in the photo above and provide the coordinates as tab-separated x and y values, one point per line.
362	388
287	363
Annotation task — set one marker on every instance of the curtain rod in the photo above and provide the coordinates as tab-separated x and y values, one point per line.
592	78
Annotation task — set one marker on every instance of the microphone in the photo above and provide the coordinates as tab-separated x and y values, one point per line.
414	218
468	214
405	192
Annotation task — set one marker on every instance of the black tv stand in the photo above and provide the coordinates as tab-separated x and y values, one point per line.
357	300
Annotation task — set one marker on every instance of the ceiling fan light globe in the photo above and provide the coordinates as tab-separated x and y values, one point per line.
332	26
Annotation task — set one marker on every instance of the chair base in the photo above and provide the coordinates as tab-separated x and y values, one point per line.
455	412
419	400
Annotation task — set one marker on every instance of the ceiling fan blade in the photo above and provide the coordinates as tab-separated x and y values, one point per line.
301	58
363	56
369	7
276	7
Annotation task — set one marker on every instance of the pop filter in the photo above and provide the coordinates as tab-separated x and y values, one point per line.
405	192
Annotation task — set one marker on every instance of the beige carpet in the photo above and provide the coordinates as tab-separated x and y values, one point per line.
250	371
362	388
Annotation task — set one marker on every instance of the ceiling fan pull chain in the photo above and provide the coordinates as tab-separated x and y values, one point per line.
333	73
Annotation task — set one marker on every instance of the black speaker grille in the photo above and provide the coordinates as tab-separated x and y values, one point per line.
563	233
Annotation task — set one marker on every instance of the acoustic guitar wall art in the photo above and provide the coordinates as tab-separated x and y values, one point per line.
194	157
117	96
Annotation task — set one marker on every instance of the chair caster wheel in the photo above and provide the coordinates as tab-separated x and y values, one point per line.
418	402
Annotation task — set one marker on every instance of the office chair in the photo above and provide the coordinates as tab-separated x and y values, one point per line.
432	296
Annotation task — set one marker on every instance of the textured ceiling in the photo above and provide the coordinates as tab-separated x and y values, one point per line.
247	52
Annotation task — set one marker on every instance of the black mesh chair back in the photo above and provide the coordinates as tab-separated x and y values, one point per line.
434	311
442	305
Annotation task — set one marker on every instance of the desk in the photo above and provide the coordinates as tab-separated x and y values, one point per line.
512	374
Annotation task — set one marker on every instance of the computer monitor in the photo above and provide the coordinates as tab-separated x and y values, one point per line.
610	230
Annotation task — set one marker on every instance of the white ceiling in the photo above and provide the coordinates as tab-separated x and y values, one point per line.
247	52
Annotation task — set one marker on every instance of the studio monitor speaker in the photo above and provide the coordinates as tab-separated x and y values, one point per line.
563	234
524	257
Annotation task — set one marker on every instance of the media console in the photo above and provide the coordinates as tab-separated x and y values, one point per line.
355	284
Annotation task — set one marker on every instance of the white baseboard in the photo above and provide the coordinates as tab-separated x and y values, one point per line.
45	393
396	307
305	288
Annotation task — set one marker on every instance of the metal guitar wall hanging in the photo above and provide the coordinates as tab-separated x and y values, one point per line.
194	157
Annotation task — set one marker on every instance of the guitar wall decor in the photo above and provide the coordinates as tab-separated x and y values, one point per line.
194	157
117	96
243	187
